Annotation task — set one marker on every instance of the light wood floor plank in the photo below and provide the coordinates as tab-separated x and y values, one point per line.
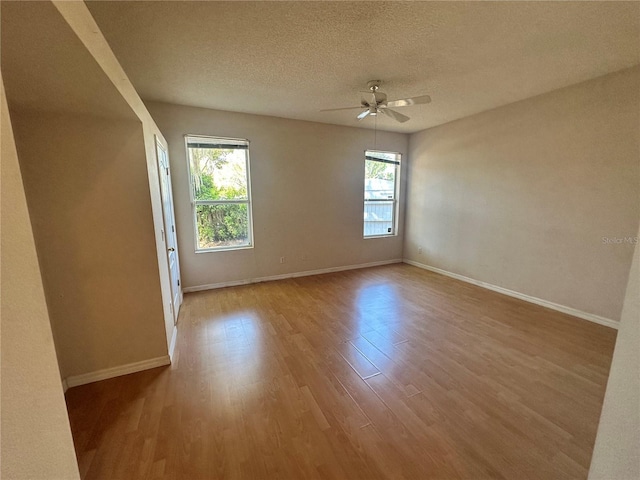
383	373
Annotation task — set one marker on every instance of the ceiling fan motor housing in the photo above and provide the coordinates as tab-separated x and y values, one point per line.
374	98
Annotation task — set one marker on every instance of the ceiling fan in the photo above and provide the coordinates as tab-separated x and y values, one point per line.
374	101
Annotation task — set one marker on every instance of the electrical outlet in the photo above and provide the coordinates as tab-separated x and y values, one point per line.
419	250
282	259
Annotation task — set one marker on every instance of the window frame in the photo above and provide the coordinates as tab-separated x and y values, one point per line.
396	193
194	203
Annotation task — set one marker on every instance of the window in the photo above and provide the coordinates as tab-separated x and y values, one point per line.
220	192
381	180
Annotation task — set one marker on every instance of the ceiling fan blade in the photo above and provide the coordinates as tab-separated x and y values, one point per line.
405	102
344	108
395	115
364	114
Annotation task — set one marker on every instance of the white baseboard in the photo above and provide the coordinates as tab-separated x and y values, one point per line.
98	375
65	386
307	273
527	298
172	346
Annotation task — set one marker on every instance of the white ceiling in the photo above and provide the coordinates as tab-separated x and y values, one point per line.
292	59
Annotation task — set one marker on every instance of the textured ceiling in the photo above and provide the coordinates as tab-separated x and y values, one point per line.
292	59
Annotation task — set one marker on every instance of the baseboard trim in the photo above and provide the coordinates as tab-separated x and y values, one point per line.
284	276
98	375
607	322
65	386
172	346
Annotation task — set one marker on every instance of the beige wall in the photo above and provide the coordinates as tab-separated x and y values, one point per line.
615	455
88	194
307	188
521	196
35	435
86	31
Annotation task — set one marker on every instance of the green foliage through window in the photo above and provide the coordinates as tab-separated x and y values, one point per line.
222	225
378	170
220	192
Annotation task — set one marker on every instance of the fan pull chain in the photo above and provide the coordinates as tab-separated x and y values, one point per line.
375	132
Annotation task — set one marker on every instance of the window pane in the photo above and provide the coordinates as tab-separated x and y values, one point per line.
224	225
218	174
380	193
378	218
379	180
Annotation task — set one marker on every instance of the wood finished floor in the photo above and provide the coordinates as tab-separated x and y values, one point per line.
387	372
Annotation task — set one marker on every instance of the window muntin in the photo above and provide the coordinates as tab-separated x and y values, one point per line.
220	192
381	181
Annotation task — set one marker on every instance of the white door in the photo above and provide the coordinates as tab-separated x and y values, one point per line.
169	227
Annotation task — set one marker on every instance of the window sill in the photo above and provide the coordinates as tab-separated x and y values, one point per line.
380	236
224	249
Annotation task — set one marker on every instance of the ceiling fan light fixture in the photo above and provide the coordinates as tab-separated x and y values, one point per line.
375	102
